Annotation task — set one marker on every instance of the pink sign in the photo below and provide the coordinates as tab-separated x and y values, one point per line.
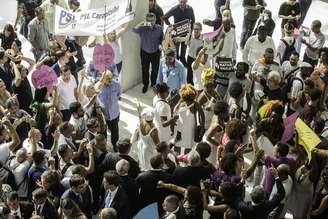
44	77
103	57
289	123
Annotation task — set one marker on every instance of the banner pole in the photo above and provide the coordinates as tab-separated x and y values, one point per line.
105	19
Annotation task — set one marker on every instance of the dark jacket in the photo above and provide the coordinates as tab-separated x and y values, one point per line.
186	176
262	210
49	211
130	186
121	204
147	187
85	204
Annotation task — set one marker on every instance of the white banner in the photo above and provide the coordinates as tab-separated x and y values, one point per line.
93	22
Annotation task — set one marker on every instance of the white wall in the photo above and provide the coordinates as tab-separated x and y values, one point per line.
130	42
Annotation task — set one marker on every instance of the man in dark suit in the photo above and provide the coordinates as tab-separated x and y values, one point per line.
129	184
192	174
147	184
80	194
22	210
42	206
115	196
123	147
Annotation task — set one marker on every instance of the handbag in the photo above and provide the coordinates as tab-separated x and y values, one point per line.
199	128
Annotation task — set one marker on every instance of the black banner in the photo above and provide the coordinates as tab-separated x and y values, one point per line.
181	28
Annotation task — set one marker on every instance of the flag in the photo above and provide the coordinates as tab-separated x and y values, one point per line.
306	137
289	123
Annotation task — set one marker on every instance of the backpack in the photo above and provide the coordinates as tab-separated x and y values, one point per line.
6	174
287	87
288	51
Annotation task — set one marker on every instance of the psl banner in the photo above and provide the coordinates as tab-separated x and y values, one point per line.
93	22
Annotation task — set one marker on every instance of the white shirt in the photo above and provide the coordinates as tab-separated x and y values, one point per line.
68	173
197	74
288	185
28	145
282	47
287	68
316	41
79	124
194	44
16	213
254	49
4	152
162	109
117	51
229	49
112	195
20	170
66	92
297	86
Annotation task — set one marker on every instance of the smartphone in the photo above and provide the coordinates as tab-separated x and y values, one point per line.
147	24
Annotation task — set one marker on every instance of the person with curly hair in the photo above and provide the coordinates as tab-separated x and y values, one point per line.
209	96
190	113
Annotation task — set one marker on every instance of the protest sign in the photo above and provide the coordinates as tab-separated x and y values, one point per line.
289	123
306	137
93	22
150	211
181	28
44	77
224	65
103	57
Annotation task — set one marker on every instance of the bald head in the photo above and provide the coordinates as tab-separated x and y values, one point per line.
283	171
122	167
108	213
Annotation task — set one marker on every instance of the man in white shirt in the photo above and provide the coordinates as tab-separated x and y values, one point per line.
194	43
298	82
315	42
229	49
264	66
78	119
67	89
256	46
290	67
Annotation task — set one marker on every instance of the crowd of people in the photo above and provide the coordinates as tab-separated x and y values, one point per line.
218	142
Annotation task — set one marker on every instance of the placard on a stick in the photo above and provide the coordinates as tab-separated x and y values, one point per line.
181	28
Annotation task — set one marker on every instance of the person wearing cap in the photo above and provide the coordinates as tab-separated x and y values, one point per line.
110	93
147	135
151	36
298	83
171	71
